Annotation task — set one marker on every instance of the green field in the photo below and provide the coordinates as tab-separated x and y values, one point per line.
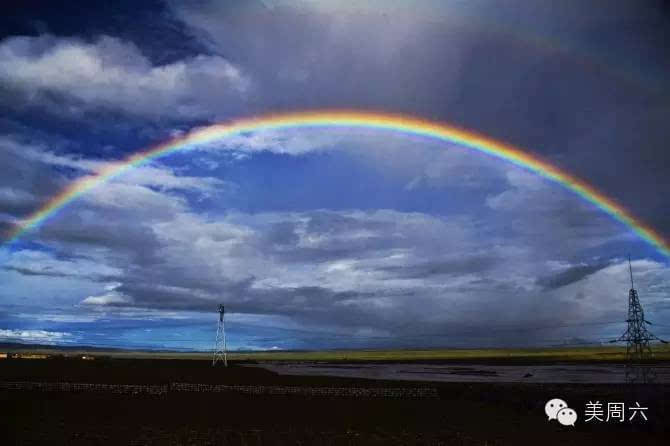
587	354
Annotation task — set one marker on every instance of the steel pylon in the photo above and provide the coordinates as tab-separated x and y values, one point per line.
637	338
220	345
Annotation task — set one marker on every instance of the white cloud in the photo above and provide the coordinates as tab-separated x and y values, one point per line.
59	317
523	188
165	178
110	73
33	335
110	297
130	198
289	141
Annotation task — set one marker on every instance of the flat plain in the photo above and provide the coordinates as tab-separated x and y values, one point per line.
600	353
138	398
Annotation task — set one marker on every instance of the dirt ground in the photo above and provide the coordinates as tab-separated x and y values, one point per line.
456	413
451	371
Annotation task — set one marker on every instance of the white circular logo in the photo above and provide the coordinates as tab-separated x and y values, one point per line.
567	416
553	406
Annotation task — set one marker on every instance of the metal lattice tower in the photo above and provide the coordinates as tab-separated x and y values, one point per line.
220	346
637	337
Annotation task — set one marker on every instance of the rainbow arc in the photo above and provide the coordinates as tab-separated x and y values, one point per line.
355	120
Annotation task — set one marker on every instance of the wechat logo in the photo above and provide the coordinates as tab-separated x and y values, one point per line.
557	409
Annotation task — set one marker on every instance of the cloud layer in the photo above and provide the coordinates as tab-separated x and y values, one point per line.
152	241
111	74
331	238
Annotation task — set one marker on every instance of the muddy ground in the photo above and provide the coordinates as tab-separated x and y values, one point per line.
453	371
451	413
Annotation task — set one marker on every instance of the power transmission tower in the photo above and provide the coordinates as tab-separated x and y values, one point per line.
220	347
637	337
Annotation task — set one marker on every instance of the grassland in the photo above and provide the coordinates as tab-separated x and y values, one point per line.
581	354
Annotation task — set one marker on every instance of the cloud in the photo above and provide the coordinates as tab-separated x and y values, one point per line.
460	266
35	336
562	221
358	269
111	297
299	141
35	174
16	201
23	183
33	262
569	275
272	260
374	272
349	232
112	74
435	59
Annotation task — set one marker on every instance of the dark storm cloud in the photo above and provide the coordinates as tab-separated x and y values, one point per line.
322	59
475	264
23	184
561	223
311	305
299	302
17	202
341	236
321	236
188	282
49	272
72	231
32	272
570	275
558	92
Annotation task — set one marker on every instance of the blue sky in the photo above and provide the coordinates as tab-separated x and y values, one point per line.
330	238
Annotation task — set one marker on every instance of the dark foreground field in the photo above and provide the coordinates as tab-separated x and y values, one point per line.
252	406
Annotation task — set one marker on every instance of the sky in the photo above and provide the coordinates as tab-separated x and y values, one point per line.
320	238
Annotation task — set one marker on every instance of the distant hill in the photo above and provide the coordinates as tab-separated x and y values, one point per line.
23	346
52	347
69	348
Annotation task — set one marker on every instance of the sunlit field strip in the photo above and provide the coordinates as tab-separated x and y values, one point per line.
586	354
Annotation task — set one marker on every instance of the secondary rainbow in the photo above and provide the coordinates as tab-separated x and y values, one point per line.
347	119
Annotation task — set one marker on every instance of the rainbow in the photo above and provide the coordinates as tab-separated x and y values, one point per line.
346	119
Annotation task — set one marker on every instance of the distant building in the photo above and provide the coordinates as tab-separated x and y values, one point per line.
4	355
31	356
87	357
